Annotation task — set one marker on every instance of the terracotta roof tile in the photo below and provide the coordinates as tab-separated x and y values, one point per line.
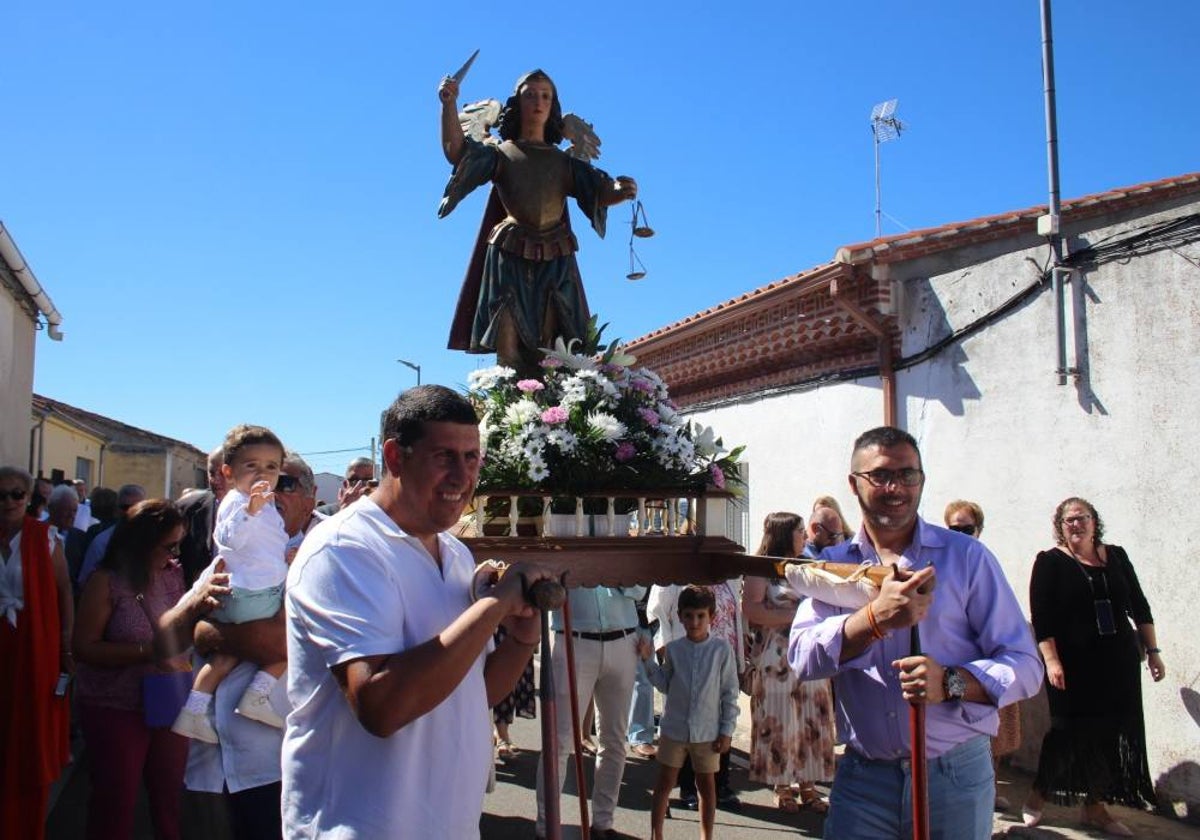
928	240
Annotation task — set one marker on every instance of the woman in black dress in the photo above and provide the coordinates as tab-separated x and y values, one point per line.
1083	595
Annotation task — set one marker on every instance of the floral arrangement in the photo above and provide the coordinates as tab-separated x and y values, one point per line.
593	422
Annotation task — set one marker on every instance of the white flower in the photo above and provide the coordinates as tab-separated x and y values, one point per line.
563	440
574	391
705	442
609	427
533	449
488	378
538	471
522	412
563	353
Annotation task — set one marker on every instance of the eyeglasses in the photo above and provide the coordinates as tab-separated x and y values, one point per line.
969	530
1078	520
287	484
907	477
836	536
14	494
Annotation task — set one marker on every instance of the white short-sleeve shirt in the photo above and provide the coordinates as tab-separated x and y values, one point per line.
361	587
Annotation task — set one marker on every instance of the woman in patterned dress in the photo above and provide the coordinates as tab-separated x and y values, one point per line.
792	728
521	701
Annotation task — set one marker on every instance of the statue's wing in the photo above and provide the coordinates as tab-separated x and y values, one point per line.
477	119
585	143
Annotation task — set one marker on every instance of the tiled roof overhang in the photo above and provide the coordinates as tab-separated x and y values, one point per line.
794	332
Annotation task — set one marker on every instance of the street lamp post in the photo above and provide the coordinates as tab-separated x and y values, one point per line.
415	367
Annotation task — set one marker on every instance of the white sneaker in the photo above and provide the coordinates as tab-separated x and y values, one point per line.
256	705
195	725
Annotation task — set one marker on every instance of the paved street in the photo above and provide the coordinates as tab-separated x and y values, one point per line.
509	811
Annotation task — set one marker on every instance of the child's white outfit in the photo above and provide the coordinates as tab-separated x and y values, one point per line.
254	548
701	684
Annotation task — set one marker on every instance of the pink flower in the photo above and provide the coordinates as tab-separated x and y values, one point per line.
718	477
529	386
643	385
650	416
625	451
554	415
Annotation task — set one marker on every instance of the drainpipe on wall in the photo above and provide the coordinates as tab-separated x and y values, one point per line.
100	466
36	433
41	452
24	274
170	469
887	372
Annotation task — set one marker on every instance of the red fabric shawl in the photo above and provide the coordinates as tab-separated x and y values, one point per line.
34	739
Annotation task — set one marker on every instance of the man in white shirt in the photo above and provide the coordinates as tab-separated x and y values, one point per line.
245	765
389	672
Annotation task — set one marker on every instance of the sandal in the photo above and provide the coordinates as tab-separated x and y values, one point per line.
505	750
785	800
811	799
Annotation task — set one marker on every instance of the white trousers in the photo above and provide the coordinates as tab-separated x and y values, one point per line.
604	672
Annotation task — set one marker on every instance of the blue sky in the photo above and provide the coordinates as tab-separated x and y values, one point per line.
234	204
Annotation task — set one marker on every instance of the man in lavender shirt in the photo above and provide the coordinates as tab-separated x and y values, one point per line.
978	655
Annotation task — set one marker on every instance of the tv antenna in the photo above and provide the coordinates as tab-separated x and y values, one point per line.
885	125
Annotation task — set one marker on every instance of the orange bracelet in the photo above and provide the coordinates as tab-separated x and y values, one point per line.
874	624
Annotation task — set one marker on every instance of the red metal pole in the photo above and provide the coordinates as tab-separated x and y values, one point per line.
572	685
920	771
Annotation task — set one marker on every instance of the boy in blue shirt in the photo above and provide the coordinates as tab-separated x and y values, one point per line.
699	676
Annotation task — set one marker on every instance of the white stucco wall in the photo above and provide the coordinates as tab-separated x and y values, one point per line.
996	428
16	381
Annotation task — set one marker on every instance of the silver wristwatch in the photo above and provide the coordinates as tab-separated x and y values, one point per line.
954	684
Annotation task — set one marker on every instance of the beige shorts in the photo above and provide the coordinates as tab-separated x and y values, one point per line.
704	758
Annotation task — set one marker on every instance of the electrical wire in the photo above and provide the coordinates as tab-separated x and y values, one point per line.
1119	247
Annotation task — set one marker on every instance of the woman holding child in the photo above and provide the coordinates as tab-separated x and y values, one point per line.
138	580
792	729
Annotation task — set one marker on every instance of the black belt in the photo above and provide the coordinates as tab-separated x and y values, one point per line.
610	636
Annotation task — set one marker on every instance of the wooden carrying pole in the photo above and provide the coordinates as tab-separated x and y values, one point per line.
576	733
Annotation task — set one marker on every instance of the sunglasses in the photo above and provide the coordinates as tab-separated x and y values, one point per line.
836	536
969	530
14	494
287	484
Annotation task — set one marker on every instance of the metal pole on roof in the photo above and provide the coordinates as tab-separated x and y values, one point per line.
1050	224
885	126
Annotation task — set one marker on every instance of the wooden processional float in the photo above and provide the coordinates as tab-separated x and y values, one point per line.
664	547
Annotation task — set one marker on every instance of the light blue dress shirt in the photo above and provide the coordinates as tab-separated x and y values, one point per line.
974	622
701	684
601	609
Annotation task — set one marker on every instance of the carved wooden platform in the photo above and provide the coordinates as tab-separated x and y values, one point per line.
626	561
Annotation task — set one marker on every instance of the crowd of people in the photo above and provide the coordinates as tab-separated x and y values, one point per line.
307	674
